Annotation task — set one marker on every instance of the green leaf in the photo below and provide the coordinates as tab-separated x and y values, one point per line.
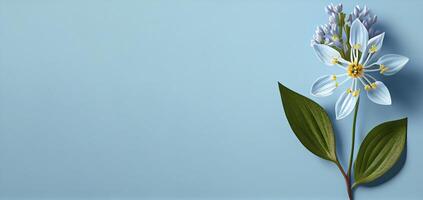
380	150
310	123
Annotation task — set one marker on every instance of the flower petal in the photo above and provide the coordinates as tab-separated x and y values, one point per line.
324	86
345	104
327	54
359	35
373	46
379	93
390	64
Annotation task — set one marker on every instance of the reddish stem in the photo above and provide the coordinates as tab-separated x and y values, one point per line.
347	181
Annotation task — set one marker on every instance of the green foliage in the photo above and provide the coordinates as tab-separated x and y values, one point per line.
310	123
380	150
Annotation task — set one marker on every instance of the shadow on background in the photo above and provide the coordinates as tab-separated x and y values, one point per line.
339	140
405	85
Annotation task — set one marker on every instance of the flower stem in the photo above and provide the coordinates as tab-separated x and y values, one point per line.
347	176
353	139
347	180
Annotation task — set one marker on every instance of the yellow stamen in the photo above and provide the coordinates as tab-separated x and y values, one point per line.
373	49
383	69
373	85
333	77
356	93
334	61
349	90
335	38
355	70
336	84
367	87
356	46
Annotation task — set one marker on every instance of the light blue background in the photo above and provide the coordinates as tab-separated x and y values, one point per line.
179	100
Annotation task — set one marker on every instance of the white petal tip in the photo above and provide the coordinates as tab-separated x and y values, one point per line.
387	103
314	95
339	118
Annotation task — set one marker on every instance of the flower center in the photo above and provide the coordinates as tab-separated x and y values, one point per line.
355	70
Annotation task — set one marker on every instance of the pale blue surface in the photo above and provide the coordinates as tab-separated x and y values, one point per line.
179	100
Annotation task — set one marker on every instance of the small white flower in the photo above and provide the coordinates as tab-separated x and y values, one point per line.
357	70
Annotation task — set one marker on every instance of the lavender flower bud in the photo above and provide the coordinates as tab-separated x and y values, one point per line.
374	20
371	32
332	19
325	28
365	11
319	34
349	19
356	11
357	7
334	28
338	8
335	15
319	31
319	38
328	9
369	23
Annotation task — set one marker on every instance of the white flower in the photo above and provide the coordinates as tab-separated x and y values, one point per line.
357	70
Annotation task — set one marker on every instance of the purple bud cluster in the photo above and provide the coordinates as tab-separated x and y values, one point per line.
333	33
329	33
366	17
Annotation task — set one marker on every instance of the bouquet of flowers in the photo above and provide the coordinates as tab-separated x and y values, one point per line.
351	44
